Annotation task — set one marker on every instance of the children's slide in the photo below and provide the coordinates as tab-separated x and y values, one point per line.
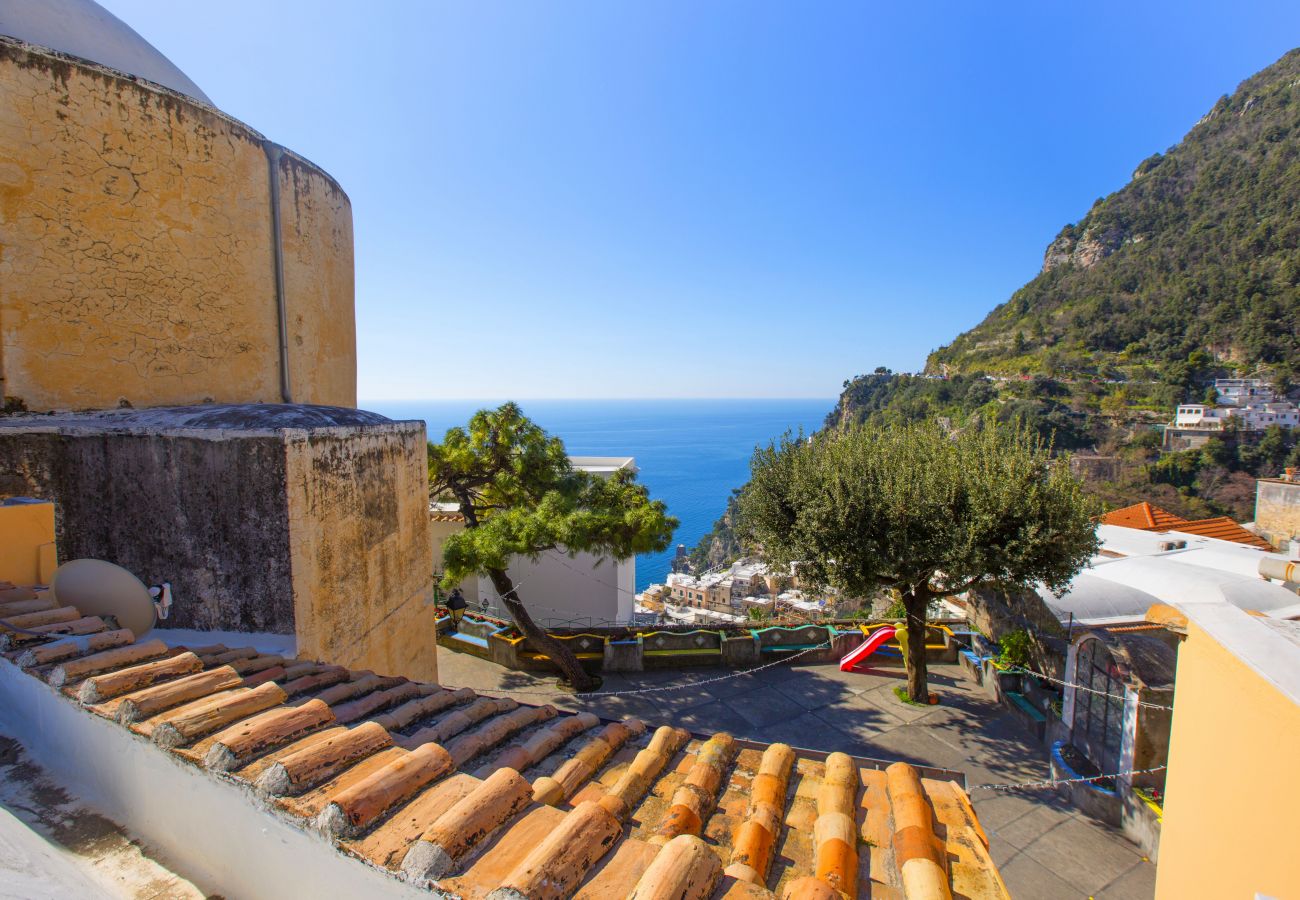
874	642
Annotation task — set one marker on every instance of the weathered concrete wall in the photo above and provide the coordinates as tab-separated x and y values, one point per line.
1277	511
291	519
359	539
206	512
137	254
316	236
996	612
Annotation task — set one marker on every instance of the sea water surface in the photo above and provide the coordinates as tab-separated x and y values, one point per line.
691	453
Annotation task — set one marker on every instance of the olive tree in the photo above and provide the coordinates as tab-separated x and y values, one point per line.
521	497
911	508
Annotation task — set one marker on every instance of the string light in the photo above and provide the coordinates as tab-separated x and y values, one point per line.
661	688
1055	781
1021	670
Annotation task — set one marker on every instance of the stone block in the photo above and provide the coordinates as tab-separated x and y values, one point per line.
272	518
623	656
740	652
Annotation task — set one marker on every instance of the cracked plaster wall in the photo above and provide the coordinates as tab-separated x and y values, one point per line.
358	515
136	256
207	513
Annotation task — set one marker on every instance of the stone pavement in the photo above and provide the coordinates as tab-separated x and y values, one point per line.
1044	847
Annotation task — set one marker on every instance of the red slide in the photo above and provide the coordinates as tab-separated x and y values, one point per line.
873	643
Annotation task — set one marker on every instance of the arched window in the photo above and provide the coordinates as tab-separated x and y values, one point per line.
1098	727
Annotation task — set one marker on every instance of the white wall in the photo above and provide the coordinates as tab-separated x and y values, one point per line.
557	590
215	832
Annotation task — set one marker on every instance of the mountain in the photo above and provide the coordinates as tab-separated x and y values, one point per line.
1192	266
1189	272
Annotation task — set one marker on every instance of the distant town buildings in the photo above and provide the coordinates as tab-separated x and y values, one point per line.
1251	402
744	590
1244	406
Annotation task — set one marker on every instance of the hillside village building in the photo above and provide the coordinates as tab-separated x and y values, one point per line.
1248	404
1137	568
177	289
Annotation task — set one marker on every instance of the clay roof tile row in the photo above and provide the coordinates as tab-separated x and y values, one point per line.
485	798
1146	517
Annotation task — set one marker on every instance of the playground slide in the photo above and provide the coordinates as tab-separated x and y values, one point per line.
873	643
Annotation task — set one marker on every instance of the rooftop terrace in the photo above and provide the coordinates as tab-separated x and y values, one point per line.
474	795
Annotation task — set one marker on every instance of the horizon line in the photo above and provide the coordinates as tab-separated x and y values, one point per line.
566	399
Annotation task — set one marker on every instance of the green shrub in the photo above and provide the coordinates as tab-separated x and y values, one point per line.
1016	649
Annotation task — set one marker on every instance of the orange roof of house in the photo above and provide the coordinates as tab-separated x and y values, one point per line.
1224	529
1144	516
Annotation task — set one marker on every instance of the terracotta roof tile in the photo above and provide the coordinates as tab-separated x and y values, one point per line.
482	797
1144	516
1225	529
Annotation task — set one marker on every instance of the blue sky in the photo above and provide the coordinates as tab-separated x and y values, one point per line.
677	199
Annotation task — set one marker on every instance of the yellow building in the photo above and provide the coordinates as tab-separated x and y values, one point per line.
27	551
1232	793
153	250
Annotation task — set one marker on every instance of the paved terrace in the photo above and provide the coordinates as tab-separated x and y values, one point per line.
1044	847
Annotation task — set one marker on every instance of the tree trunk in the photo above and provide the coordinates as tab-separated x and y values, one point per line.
915	603
559	654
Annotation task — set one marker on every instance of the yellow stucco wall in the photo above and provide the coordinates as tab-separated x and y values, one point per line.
1231	796
360	550
136	252
27	543
316	234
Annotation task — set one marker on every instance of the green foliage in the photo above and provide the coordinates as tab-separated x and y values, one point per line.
1016	649
901	693
885	398
908	507
720	546
521	497
1189	272
1200	250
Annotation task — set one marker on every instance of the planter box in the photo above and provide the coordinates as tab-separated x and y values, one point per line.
1141	824
1092	798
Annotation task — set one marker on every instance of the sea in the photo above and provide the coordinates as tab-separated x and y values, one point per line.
691	453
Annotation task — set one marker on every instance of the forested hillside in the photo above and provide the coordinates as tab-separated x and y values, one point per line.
1192	266
1189	272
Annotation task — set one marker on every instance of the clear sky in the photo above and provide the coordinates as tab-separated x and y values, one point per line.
718	199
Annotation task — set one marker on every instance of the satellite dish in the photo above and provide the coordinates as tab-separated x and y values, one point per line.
99	588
